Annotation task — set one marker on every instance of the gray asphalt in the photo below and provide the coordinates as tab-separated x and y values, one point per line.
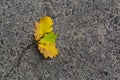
88	40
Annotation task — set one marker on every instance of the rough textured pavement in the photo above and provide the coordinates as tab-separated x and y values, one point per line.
88	40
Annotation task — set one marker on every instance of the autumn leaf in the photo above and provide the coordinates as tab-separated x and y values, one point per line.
45	37
42	27
47	45
48	50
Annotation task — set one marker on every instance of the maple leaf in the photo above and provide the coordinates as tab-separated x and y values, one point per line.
45	37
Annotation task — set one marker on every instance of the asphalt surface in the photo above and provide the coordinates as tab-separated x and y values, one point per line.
88	40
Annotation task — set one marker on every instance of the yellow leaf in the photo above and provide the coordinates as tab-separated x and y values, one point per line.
45	37
48	50
42	27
